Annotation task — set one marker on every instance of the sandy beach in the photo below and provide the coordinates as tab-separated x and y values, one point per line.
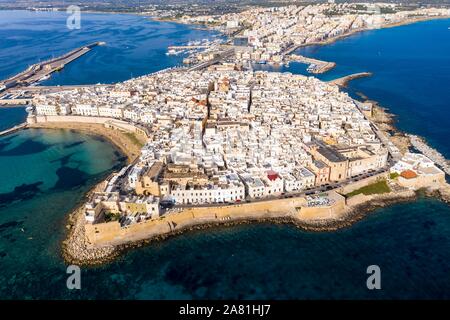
129	146
79	250
76	248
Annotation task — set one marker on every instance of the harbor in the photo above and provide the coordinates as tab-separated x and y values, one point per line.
41	71
315	66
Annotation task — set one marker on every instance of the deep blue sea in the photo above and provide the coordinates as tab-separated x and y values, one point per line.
45	173
411	74
135	45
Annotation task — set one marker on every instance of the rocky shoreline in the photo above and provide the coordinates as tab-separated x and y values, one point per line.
77	250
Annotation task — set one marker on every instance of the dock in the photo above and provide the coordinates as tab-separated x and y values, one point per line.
13	129
343	81
42	70
24	95
315	66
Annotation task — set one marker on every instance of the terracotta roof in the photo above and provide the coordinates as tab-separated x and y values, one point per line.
272	175
408	174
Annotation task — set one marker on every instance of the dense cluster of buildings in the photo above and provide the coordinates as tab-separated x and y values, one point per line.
268	33
417	171
225	136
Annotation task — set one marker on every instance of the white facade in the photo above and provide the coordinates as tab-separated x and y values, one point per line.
52	110
110	112
213	194
85	110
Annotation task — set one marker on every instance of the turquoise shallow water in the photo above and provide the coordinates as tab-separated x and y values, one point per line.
45	173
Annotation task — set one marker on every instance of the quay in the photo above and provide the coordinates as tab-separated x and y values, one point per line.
343	81
42	70
51	89
315	66
434	155
13	129
24	95
290	49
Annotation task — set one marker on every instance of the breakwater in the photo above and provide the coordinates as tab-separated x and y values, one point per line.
420	144
343	81
315	66
13	129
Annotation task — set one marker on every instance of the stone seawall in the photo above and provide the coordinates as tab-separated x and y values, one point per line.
106	121
362	183
106	234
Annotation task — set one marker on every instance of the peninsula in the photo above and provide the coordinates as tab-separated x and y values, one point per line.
220	143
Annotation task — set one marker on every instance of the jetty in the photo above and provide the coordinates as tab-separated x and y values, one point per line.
42	70
434	155
13	129
315	66
343	81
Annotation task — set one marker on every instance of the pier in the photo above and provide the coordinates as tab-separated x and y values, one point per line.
42	70
315	66
13	129
342	82
434	155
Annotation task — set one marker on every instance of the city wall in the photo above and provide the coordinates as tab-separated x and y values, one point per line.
105	121
362	183
295	208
